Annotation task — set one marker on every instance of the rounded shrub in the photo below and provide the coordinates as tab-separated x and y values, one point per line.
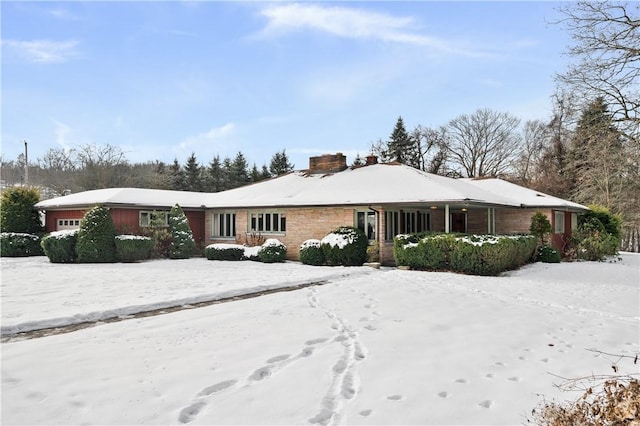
540	226
345	246
224	252
548	254
311	253
133	248
272	251
60	246
96	237
18	244
182	244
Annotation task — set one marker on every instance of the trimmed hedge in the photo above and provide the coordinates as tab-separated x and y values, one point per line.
18	244
311	253
96	237
17	213
60	246
272	251
346	246
224	252
469	254
133	248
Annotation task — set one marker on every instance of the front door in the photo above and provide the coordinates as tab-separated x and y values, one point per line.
459	222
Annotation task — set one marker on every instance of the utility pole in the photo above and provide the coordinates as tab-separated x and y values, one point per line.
26	164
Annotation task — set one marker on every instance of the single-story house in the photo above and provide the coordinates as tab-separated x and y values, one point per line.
381	199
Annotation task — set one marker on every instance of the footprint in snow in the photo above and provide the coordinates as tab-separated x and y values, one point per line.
315	341
394	397
260	374
278	358
189	413
365	413
444	394
209	390
462	381
486	404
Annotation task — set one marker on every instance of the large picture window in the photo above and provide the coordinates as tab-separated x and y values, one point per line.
223	225
405	222
367	223
154	218
268	222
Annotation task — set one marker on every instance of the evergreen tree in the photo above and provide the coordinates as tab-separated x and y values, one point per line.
96	237
178	179
227	171
182	243
17	213
358	161
401	146
239	171
193	174
597	159
280	164
264	174
215	178
254	175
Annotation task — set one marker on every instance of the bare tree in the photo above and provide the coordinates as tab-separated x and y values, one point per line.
431	149
102	166
607	51
536	135
485	143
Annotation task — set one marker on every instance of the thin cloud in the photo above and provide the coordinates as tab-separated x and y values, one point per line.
63	14
354	24
213	135
62	134
43	51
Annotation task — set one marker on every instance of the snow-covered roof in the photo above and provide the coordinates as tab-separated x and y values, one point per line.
525	196
369	185
126	197
374	184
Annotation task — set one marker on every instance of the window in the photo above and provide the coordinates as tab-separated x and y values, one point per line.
268	222
154	218
366	222
574	221
223	225
405	222
64	224
559	222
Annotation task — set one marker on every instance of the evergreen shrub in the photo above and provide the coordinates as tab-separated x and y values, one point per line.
540	226
133	248
548	254
224	252
346	246
96	237
469	254
597	236
19	244
60	246
182	244
311	253
17	213
272	251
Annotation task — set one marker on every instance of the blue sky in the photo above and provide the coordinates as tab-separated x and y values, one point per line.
164	79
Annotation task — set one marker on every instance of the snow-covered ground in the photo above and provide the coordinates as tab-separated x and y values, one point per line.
368	347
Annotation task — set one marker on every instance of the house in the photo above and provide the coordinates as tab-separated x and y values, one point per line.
381	199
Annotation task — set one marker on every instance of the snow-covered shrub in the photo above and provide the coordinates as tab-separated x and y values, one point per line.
272	251
547	254
60	246
311	253
491	254
133	248
18	244
470	254
224	252
182	243
96	237
345	246
423	251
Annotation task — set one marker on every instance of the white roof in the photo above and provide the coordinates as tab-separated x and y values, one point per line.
369	185
525	196
127	197
374	184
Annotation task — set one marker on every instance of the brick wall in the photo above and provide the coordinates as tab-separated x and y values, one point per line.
328	163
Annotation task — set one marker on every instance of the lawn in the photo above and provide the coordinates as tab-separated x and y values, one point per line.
364	346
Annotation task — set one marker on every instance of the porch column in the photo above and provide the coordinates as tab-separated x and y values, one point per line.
447	225
491	220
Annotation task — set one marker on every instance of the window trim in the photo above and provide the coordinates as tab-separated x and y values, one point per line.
558	222
277	222
215	225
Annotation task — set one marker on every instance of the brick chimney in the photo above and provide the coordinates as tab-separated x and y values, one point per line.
371	160
328	163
